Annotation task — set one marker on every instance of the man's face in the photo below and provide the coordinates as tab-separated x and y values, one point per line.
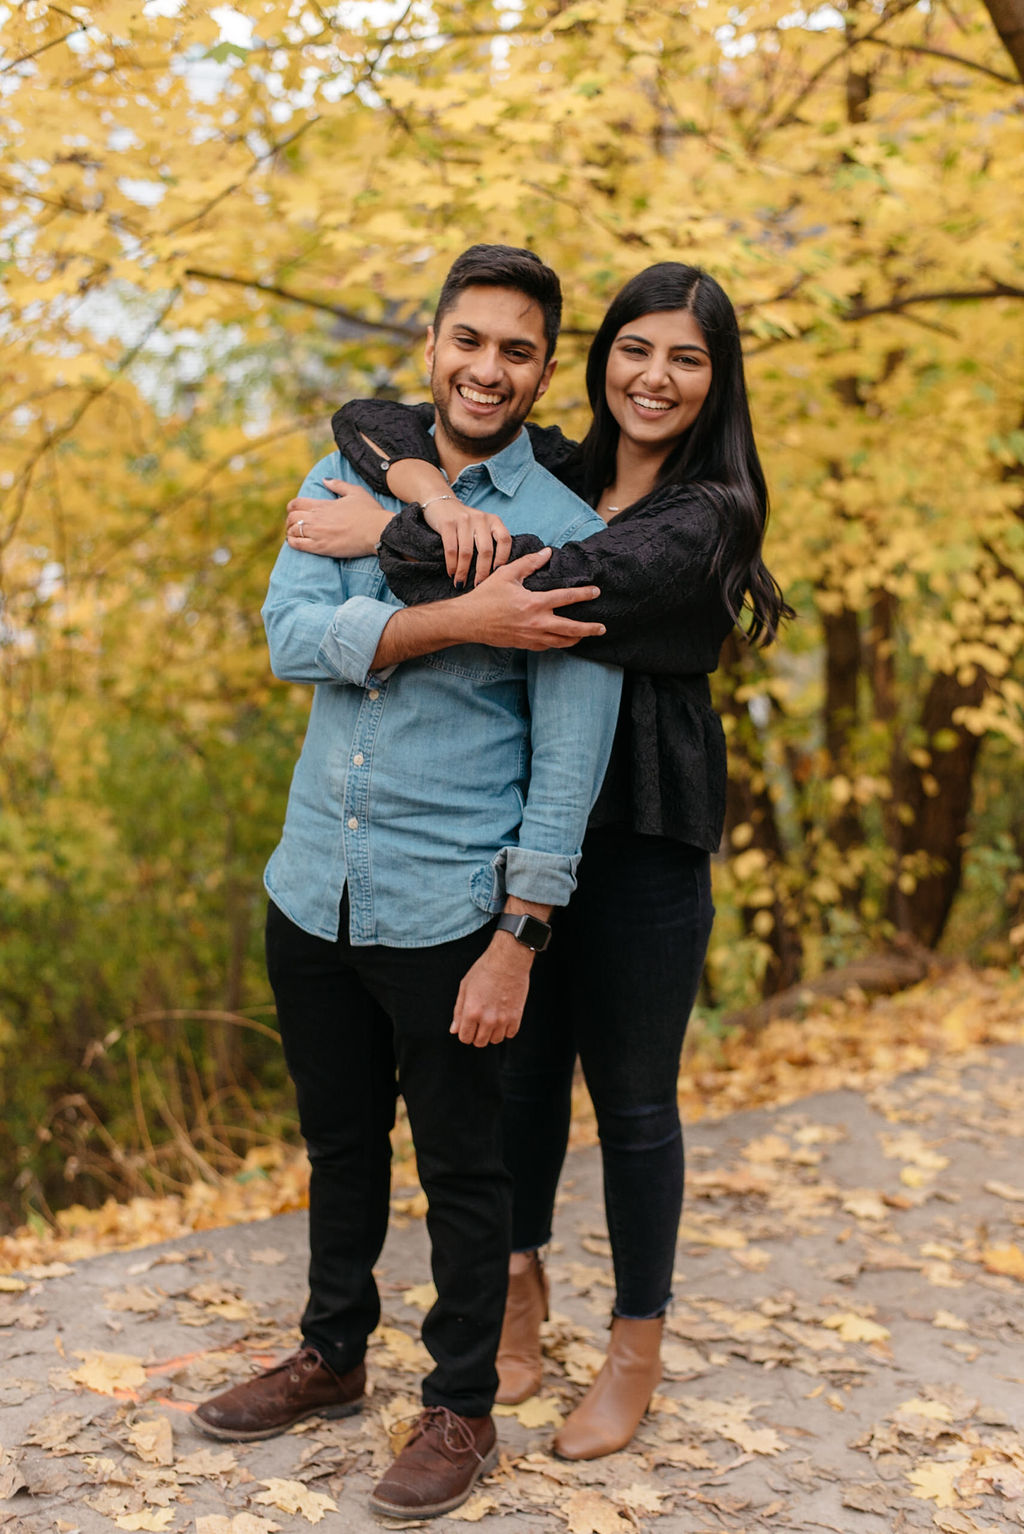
486	369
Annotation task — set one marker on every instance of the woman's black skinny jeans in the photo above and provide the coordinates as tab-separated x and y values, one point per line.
616	987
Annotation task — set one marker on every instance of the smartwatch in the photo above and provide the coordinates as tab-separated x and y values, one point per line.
528	930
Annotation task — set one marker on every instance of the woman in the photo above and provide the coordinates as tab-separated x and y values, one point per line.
670	464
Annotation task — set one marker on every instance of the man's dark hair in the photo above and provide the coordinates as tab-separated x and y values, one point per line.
505	266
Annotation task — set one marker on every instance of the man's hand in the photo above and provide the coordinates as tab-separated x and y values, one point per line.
503	613
492	995
346	528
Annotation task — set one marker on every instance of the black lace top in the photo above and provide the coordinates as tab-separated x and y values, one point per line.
660	601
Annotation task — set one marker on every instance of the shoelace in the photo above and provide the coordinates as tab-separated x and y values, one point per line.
307	1358
455	1436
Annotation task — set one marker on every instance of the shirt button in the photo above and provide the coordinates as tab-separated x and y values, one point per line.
373	694
358	759
353	823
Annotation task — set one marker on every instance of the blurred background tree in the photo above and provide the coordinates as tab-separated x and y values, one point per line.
217	226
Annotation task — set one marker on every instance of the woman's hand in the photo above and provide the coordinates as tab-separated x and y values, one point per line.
505	614
346	528
464	531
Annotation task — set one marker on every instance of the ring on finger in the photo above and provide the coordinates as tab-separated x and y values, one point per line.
299	526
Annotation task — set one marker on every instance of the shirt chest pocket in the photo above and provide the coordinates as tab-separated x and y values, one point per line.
363	578
479	663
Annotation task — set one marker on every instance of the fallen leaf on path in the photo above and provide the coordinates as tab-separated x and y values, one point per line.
420	1296
153	1441
870	1498
946	1321
711	1235
538	1411
587	1512
239	1523
1008	1260
9	1285
641	1498
476	1508
269	1257
16	1313
11	1478
294	1497
935	1481
151	1520
854	1328
107	1373
206	1462
937	1411
1006	1190
135	1298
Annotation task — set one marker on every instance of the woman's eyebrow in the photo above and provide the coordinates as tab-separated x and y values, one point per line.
681	346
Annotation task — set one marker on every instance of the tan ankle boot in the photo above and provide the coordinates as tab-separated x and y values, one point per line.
519	1359
610	1412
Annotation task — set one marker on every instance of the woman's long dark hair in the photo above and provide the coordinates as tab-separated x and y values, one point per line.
716	456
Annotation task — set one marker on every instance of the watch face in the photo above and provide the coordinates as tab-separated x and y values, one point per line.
534	933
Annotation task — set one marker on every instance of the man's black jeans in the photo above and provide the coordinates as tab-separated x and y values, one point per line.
616	986
358	1026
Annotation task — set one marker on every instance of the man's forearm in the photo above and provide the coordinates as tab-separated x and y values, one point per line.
414	631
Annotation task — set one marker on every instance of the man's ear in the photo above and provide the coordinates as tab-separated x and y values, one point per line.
428	349
545	378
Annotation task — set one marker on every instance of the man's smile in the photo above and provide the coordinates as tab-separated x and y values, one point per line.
477	396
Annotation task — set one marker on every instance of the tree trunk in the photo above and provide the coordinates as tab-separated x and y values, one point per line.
842	679
932	803
750	803
1008	20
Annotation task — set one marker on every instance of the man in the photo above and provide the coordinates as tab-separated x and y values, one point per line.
429	796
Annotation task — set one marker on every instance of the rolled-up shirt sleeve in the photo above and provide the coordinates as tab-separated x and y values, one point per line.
574	707
318	629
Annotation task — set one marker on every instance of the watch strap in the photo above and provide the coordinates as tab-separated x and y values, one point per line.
528	930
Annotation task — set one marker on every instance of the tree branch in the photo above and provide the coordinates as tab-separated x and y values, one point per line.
55	42
950	296
386	327
941	53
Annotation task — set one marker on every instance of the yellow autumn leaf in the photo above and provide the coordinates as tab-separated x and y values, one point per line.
151	1520
107	1373
476	1508
421	1296
153	1440
935	1481
296	1497
641	1497
238	1523
10	1285
865	1206
854	1328
587	1512
1009	1191
402	1351
1008	1260
937	1411
946	1321
537	1411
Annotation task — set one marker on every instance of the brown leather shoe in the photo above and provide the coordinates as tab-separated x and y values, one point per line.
519	1362
444	1457
610	1412
301	1386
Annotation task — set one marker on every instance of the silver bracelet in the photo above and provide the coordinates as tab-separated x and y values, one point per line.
433	498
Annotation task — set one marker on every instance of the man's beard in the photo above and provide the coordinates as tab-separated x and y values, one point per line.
478	447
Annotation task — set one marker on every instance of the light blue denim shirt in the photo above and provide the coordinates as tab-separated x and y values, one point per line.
433	790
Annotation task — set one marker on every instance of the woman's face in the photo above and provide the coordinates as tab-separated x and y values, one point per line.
657	378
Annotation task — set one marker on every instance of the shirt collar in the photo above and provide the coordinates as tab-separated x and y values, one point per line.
506	469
